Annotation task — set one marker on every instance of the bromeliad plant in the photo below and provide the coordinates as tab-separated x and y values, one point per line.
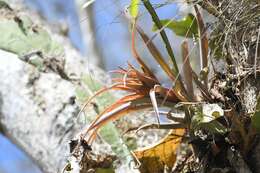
208	117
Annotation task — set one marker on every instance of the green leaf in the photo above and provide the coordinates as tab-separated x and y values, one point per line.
186	27
105	170
205	118
256	117
164	37
134	8
21	37
214	127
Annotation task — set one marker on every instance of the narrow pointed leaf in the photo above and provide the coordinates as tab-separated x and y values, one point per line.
186	27
127	100
99	92
144	67
165	39
204	45
154	103
187	70
201	87
179	89
156	54
256	116
117	113
109	133
169	126
134	6
163	92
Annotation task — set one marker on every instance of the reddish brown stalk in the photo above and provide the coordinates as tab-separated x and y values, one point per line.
179	89
113	114
155	52
201	87
117	86
203	44
187	70
138	58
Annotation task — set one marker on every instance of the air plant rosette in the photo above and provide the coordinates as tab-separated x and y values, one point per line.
213	125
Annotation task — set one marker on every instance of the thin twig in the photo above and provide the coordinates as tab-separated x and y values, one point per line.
256	51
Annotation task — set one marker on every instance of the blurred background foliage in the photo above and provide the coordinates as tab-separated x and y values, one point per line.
111	34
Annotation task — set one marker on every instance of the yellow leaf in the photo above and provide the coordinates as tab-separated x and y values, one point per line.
154	158
134	8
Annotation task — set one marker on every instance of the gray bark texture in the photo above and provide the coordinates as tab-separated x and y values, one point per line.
38	109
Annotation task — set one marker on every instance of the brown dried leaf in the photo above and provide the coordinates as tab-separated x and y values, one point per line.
154	158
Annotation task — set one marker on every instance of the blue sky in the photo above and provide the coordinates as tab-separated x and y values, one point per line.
13	160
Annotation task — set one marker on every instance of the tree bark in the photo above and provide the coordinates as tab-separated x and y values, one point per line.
38	108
